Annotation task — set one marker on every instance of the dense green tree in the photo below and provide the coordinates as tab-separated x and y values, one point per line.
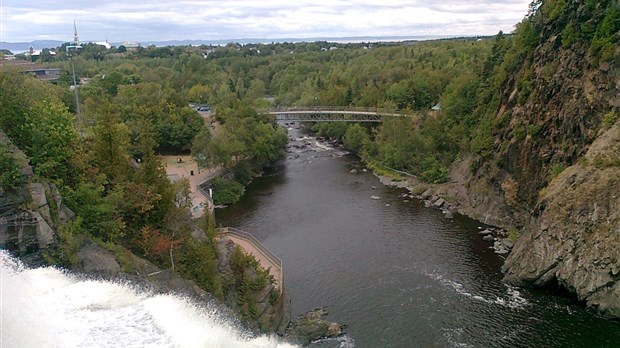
200	148
110	140
54	139
356	137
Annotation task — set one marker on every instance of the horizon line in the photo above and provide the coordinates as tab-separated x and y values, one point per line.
279	39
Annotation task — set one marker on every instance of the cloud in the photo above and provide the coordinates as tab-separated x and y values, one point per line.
148	20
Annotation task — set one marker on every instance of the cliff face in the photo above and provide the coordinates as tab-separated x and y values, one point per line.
555	171
575	240
29	214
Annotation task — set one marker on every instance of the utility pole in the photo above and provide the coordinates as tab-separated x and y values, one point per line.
77	98
72	51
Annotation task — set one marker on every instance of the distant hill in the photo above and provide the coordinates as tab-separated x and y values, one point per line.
344	39
17	47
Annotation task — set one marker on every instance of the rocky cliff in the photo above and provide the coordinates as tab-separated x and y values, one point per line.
575	239
29	213
555	169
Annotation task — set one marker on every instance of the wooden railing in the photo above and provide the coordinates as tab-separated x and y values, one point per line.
260	247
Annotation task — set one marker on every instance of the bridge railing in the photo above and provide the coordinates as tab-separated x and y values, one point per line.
260	247
328	109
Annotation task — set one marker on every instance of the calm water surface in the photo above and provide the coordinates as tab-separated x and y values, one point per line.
399	274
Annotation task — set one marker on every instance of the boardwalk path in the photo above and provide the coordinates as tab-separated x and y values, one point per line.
266	258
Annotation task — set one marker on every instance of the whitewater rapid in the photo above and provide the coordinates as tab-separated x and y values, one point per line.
46	307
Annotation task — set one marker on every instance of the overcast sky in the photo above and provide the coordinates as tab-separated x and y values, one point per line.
155	20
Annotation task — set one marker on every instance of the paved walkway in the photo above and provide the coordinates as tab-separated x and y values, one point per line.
177	170
266	258
264	262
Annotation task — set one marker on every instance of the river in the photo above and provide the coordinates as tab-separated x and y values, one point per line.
398	273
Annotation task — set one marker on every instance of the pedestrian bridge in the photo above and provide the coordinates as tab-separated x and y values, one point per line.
331	114
265	257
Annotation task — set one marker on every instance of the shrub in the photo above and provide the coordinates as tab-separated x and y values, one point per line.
226	191
534	129
243	173
10	177
556	169
610	119
432	171
513	235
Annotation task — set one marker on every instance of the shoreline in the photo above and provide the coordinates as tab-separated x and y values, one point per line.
502	240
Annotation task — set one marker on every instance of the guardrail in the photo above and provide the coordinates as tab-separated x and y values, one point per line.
326	108
207	196
259	246
334	109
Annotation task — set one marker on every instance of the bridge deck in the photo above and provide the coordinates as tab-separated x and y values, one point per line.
331	114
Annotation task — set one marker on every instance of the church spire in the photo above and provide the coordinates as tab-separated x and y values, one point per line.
76	40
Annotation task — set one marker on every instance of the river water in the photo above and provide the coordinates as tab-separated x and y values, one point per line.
398	273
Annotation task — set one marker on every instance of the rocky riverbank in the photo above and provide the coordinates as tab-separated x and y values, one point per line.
568	256
502	240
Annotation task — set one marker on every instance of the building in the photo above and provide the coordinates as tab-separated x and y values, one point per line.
25	67
131	45
105	44
75	46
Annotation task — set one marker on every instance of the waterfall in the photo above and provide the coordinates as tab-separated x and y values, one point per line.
48	307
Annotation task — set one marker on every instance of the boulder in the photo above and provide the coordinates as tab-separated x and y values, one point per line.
488	238
39	200
501	251
45	234
507	243
199	234
427	194
439	203
353	171
311	326
375	197
449	214
95	259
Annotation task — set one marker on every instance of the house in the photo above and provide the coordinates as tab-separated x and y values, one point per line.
25	67
131	45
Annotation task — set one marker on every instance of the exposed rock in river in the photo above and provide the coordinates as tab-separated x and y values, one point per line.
311	326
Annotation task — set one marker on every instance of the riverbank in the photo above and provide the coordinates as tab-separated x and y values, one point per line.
438	197
399	274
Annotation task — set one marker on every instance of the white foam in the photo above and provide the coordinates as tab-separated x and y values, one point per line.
343	341
512	299
46	307
320	147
